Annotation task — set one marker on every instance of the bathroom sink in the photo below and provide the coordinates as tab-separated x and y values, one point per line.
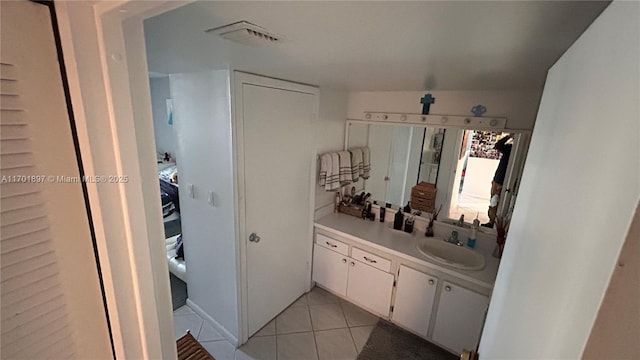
452	255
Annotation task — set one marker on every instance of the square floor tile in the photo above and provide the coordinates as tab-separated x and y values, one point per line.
361	335
356	316
269	329
327	316
301	346
221	350
319	296
209	333
183	323
258	348
183	310
335	345
294	319
302	301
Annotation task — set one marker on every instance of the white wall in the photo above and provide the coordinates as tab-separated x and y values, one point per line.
519	107
328	132
580	186
203	121
164	133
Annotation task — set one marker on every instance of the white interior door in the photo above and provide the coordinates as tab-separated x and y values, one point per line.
380	141
52	305
278	159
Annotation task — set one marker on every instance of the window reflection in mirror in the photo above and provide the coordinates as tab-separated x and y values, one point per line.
459	163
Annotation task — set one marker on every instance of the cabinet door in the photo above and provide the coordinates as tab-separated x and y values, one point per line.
459	318
330	269
370	287
415	294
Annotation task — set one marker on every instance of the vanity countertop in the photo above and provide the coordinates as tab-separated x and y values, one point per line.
378	235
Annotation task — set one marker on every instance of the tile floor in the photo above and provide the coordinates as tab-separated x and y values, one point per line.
318	326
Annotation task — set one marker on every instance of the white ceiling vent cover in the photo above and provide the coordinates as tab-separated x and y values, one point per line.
246	33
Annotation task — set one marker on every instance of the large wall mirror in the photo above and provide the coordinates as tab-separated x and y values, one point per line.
455	165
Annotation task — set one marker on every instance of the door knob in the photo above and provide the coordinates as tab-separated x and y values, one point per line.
353	263
447	288
431	282
254	238
344	261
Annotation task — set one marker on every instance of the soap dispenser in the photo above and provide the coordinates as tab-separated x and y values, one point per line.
398	220
408	224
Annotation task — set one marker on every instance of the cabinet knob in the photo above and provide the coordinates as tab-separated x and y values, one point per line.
447	288
344	261
431	282
353	263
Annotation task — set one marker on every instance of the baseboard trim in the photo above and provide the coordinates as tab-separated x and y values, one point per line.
216	325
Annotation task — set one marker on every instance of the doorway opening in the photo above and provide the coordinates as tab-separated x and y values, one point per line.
478	165
167	167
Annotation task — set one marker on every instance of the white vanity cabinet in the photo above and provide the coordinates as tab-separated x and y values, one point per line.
438	304
360	277
415	295
459	317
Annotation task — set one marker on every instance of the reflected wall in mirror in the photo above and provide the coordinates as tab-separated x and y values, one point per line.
459	163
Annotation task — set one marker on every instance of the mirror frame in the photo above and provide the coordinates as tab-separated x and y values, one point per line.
514	168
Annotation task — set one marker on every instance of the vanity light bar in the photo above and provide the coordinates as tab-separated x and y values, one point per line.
457	121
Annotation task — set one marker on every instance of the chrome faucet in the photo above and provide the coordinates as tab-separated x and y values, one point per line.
453	239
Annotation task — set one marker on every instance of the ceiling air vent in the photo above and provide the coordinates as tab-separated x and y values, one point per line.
246	33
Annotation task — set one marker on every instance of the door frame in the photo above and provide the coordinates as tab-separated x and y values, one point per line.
238	80
104	52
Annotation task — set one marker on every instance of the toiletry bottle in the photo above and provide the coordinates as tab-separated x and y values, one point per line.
471	241
398	220
408	225
337	200
407	208
382	210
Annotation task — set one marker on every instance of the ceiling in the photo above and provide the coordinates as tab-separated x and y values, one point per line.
389	45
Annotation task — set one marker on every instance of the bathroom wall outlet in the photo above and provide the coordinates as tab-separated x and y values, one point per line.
211	198
191	191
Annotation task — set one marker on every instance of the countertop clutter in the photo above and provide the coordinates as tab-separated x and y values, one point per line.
381	236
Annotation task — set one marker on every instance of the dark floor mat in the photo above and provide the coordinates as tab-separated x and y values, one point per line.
389	342
178	291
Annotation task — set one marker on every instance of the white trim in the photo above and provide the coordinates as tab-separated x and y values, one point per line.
238	80
216	325
135	273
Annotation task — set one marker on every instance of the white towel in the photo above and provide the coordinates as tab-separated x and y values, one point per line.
333	174
325	165
366	164
356	164
345	168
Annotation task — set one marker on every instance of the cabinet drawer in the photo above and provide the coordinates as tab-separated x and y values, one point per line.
332	244
370	259
422	194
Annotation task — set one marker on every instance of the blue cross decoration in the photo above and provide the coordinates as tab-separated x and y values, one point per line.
426	102
478	110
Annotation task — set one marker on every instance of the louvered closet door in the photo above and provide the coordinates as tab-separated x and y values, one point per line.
51	303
